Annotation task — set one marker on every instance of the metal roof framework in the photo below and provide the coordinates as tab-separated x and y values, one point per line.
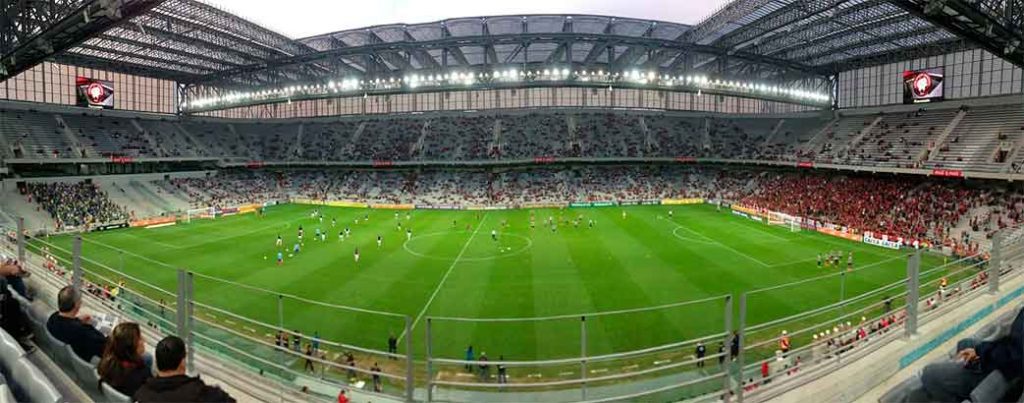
578	41
32	31
996	25
182	40
839	35
795	41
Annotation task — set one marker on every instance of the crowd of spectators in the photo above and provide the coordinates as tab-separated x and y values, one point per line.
228	190
939	212
75	204
909	139
895	206
121	357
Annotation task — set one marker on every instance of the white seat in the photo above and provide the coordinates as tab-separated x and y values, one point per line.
32	383
84	371
10	350
112	395
6	396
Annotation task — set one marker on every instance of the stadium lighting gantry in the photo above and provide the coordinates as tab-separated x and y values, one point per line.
555	74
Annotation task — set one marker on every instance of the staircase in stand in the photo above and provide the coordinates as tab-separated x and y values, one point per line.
933	152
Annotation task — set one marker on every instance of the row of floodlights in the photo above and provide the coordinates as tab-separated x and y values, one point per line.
511	75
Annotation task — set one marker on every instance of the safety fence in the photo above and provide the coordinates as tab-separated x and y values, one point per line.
720	347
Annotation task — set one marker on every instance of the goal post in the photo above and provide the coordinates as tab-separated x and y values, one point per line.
784	220
203	212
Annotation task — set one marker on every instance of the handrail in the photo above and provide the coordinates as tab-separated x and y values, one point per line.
581	315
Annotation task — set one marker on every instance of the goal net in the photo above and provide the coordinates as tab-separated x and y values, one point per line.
785	220
204	212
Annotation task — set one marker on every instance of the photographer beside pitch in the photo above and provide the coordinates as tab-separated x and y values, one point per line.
953	381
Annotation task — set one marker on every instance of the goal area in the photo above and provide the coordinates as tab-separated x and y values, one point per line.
784	220
200	213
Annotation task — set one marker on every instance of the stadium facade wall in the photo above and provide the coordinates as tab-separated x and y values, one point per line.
54	83
968	73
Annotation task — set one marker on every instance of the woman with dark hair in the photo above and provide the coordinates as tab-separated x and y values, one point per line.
122	365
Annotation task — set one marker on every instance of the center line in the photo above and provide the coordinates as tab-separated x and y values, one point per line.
445	277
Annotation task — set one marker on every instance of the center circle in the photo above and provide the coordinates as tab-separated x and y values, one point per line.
508	244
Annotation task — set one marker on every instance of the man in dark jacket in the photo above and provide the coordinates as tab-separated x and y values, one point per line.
171	384
75	330
953	381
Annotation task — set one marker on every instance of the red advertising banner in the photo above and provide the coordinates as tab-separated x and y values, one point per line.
805	164
543	160
119	159
686	159
254	164
948	173
382	163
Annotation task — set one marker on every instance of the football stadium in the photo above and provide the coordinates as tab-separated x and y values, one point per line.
650	201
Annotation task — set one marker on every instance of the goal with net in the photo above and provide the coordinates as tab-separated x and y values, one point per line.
785	220
204	212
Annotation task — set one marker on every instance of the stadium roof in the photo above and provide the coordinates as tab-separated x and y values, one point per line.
195	43
844	34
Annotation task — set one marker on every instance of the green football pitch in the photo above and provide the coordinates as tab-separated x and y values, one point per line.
632	257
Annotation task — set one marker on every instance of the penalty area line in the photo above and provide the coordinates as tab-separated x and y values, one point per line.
445	277
715	242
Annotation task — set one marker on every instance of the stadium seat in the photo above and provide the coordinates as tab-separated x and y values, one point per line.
84	371
10	350
112	395
22	301
30	384
39	330
991	389
6	396
57	350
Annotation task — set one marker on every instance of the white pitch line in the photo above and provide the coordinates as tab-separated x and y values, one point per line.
143	239
753	227
445	277
751	258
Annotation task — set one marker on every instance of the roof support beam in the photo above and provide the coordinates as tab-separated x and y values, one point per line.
126	67
122	55
164	49
92	18
451	44
995	25
814	53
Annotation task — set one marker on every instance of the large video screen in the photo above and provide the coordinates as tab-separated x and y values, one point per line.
923	85
94	93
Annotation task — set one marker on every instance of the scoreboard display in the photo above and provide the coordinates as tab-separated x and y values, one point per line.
921	86
93	93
